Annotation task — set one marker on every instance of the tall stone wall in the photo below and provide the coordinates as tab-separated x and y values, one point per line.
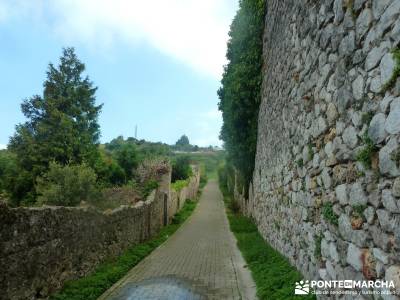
326	65
41	248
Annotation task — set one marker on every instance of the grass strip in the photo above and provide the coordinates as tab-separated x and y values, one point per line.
274	276
108	273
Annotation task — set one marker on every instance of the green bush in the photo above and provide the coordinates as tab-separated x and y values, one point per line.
67	185
181	169
329	214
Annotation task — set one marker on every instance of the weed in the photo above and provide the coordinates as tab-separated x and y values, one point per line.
317	250
358	210
367	117
329	214
396	71
300	163
365	155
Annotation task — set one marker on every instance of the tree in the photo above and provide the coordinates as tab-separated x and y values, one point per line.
67	185
183	141
127	158
240	93
62	124
181	168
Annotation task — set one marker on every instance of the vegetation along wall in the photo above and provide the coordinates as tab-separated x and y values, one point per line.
41	248
326	185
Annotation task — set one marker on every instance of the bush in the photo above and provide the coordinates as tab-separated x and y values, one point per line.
67	185
181	169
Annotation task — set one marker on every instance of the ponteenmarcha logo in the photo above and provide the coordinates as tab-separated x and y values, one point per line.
302	288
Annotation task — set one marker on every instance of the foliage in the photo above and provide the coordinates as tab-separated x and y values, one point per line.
317	250
329	214
94	285
183	141
240	93
7	171
127	158
61	125
358	210
67	185
148	187
180	184
365	155
367	117
396	72
274	276
181	168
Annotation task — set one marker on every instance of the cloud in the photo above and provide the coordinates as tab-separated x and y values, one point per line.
2	146
191	31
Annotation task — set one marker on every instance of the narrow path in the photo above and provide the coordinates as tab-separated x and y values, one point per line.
200	261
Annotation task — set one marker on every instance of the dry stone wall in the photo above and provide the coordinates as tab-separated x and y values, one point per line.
326	185
41	248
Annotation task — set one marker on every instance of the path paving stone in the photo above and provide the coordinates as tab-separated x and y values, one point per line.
200	261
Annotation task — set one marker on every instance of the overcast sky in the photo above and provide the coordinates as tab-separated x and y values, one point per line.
157	63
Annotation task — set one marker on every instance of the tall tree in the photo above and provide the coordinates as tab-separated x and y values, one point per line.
240	93
183	141
61	124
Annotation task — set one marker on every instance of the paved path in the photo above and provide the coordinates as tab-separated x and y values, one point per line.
200	261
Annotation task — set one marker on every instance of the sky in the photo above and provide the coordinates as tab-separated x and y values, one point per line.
157	64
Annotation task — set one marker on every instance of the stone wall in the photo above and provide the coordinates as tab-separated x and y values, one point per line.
41	248
323	103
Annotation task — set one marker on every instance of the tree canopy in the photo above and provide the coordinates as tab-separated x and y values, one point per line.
240	92
61	124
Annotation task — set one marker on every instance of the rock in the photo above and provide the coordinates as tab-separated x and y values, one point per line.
385	103
376	129
341	193
388	17
378	7
389	202
354	255
326	178
380	238
375	55
333	253
319	127
324	248
376	84
358	87
347	44
331	113
386	164
387	67
357	195
338	9
369	214
363	22
396	188
343	99
384	219
358	4
330	269
350	137
345	228
381	255
393	274
392	124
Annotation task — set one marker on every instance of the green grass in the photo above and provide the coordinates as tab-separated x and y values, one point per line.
274	276
108	273
366	153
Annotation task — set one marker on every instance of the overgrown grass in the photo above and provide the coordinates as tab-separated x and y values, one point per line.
329	214
108	273
274	276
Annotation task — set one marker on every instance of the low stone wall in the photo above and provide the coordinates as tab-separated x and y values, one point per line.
41	248
178	198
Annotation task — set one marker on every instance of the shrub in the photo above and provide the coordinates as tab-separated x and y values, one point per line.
67	185
181	168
